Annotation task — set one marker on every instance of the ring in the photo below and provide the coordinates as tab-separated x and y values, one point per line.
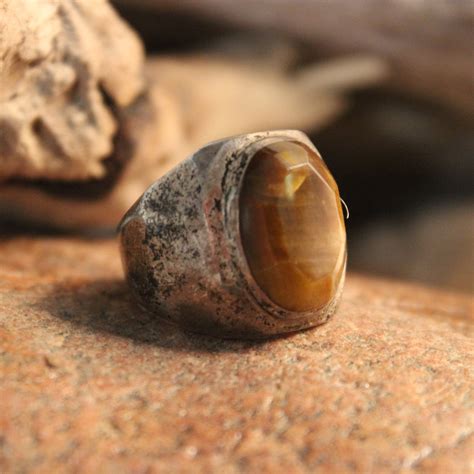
244	239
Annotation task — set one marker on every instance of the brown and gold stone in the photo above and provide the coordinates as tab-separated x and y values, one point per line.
292	226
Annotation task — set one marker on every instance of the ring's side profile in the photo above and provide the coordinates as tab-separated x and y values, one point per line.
245	238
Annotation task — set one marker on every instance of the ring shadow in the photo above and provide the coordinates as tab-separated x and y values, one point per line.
106	306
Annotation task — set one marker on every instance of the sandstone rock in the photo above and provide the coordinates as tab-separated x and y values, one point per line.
90	383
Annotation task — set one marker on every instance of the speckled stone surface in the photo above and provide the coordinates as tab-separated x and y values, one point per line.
89	383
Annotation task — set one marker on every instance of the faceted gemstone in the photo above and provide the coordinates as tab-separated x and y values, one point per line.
292	226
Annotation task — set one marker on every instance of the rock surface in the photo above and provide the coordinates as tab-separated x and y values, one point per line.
89	383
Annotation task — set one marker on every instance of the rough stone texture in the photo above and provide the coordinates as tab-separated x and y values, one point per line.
91	384
67	67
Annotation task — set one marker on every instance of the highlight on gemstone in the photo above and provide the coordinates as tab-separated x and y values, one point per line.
292	226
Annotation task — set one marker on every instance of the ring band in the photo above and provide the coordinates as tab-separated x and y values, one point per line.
244	239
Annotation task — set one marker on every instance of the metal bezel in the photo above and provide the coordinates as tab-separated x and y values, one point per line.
238	152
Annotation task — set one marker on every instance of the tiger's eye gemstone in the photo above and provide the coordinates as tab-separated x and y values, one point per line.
292	226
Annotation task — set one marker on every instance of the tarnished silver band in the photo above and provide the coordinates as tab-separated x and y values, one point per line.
182	251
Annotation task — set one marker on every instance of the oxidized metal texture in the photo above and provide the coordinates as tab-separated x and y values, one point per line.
182	252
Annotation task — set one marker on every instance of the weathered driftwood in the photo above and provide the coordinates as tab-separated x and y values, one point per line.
88	146
428	43
68	70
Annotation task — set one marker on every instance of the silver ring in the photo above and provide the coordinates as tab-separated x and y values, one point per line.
186	257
